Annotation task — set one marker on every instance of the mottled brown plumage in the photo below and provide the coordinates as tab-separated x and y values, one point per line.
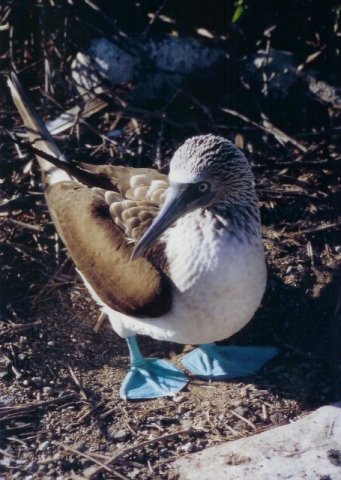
99	227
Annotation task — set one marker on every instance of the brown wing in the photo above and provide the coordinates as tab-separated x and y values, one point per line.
101	252
96	232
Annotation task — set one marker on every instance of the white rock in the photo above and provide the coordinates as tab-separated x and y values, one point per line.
307	449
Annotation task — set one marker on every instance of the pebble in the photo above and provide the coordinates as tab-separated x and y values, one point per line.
277	418
179	398
188	447
163	420
43	446
119	435
164	452
186	424
47	391
37	381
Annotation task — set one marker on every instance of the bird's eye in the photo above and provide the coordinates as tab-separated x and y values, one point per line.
203	187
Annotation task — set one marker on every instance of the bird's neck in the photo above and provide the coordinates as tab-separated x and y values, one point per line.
201	237
205	242
240	221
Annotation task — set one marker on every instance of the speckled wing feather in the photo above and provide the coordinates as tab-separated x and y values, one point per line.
136	198
99	227
140	194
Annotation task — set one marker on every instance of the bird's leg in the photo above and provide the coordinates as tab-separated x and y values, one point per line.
149	377
226	361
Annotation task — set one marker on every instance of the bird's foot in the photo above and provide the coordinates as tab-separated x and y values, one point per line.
153	379
220	361
149	377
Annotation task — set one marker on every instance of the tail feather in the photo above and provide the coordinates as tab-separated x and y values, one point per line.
37	132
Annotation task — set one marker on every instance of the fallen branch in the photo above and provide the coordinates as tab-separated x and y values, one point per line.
279	135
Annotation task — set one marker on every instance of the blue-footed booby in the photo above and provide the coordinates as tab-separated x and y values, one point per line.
177	257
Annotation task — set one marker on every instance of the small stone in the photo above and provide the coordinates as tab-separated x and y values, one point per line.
43	446
164	452
188	447
47	391
178	398
277	418
37	381
163	420
118	435
186	424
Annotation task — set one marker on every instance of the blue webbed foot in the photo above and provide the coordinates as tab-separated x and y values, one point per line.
220	361
150	378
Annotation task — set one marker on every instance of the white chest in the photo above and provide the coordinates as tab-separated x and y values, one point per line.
219	282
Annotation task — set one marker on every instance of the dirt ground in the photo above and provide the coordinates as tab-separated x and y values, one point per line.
60	413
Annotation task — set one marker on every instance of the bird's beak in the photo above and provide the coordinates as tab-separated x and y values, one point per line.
179	196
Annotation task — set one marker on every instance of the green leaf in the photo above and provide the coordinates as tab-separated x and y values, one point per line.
238	13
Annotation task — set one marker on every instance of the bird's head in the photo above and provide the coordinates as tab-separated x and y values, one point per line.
207	171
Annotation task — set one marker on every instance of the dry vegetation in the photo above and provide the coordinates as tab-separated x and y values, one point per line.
60	413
